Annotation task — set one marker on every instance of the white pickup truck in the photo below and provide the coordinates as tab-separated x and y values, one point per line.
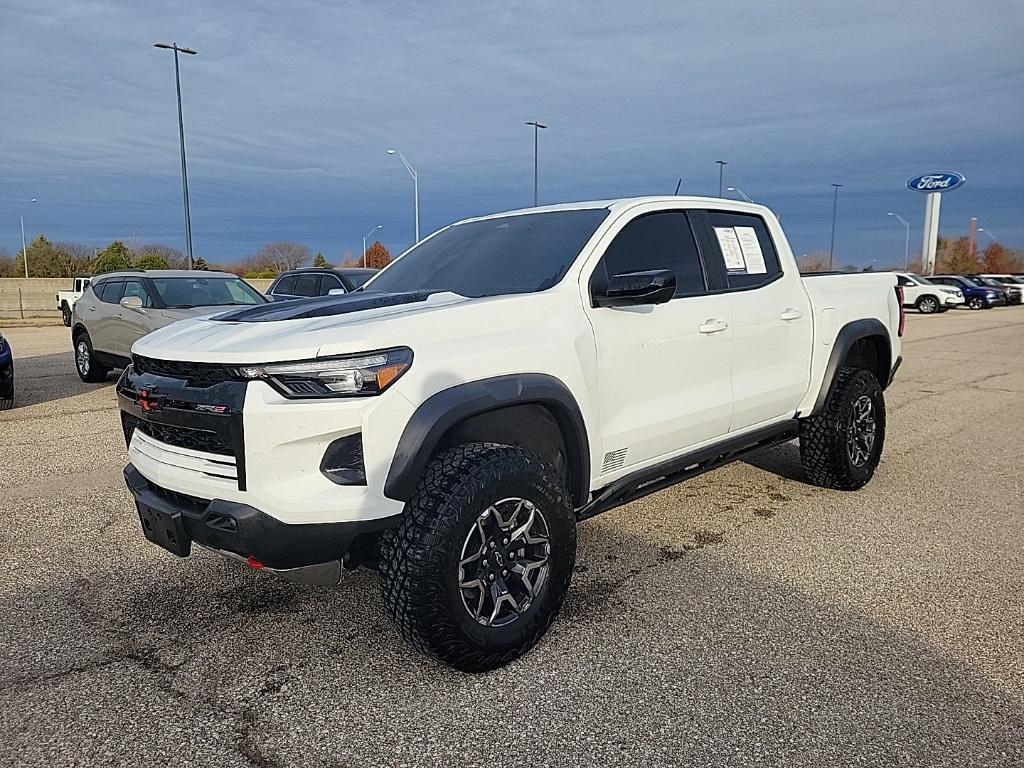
66	299
501	381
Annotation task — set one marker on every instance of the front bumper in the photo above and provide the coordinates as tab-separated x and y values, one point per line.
953	301
175	521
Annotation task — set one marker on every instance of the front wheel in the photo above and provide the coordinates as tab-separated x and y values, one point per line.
975	302
481	562
840	448
89	369
926	305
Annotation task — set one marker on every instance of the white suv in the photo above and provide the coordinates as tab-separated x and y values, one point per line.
925	296
504	379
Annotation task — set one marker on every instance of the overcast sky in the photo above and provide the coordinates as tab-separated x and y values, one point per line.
289	108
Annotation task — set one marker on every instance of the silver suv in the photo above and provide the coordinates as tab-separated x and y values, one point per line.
120	307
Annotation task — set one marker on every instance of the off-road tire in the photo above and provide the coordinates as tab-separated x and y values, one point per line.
93	371
6	403
926	305
823	438
419	560
65	312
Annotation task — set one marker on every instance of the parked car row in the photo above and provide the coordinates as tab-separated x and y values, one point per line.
939	293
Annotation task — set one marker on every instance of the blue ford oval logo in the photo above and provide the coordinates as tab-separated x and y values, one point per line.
937	182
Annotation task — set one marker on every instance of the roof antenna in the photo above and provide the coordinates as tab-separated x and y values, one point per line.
678	185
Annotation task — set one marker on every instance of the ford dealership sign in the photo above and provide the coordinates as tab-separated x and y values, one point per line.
937	182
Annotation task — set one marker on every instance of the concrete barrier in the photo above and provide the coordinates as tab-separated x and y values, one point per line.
35	297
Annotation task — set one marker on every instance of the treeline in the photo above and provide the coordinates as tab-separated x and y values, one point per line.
49	259
952	257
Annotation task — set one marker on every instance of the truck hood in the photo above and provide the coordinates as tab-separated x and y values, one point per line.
291	330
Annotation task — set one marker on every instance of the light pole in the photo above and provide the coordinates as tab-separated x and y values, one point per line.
536	139
835	208
379	226
740	192
906	248
721	174
181	142
980	229
415	188
24	248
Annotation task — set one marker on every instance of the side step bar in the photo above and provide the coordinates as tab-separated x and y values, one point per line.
645	481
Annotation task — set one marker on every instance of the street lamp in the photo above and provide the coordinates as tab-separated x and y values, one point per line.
980	229
24	248
721	171
906	248
379	226
740	192
415	188
536	133
181	142
835	208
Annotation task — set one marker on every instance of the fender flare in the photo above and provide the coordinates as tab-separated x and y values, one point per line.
443	410
848	335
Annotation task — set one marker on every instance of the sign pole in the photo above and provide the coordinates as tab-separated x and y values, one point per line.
931	231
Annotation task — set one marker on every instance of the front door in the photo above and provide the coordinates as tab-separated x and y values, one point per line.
130	325
664	370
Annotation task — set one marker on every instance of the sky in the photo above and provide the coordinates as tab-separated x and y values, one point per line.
289	108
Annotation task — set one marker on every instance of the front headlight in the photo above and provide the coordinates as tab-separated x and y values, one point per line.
351	375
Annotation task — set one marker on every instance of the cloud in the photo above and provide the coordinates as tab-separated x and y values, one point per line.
289	108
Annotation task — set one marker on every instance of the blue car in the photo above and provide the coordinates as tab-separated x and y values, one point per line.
975	296
6	375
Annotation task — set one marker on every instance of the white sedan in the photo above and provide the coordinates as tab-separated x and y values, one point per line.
925	296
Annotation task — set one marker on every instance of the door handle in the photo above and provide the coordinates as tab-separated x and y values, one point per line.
712	325
791	313
92	309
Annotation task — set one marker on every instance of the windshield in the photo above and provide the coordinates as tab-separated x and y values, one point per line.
974	279
923	280
510	254
359	276
184	292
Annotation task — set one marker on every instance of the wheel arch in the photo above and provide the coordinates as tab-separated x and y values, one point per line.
534	411
77	330
862	344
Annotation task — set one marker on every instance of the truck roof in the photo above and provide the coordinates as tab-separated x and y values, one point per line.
622	203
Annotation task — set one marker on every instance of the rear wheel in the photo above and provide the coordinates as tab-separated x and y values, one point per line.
841	447
89	369
926	305
65	311
479	567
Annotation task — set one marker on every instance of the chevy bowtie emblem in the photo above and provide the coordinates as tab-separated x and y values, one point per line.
149	402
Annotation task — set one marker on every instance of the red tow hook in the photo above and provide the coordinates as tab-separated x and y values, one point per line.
255	564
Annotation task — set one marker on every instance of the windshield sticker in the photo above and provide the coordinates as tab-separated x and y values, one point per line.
752	253
731	250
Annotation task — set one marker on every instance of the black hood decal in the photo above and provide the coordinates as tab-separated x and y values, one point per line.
325	306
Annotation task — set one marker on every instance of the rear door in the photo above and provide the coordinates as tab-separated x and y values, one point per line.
101	317
663	370
771	319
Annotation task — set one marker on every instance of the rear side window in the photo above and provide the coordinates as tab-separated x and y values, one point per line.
660	240
286	285
110	291
746	247
308	285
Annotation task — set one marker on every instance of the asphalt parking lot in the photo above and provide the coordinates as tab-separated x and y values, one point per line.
743	618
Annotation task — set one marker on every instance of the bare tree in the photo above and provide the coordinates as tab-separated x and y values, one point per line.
281	256
815	261
175	259
72	259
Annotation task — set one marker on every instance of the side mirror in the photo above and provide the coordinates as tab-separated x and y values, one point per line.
627	289
336	292
132	302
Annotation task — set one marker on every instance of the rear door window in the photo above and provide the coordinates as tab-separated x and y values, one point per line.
110	291
307	285
746	248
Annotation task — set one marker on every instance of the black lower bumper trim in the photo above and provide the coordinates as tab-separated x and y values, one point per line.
175	520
